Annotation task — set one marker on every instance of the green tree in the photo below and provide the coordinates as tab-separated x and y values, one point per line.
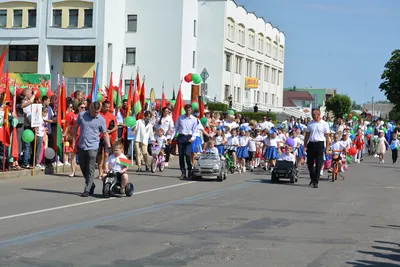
339	105
355	106
391	78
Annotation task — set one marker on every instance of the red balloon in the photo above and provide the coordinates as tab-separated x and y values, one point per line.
72	94
353	151
36	93
188	79
20	91
158	104
49	93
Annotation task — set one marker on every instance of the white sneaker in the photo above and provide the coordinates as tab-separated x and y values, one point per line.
166	164
244	169
321	173
383	161
341	169
67	164
375	156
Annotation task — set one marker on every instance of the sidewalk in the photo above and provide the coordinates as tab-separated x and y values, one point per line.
38	173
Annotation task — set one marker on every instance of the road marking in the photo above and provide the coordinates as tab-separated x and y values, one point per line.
392	187
37	236
90	202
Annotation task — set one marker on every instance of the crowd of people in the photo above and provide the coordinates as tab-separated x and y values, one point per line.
92	132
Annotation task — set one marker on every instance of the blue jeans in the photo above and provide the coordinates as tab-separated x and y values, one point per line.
25	156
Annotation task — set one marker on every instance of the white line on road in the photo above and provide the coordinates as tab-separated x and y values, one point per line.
89	202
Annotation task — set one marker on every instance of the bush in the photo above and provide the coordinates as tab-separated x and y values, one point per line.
258	116
217	106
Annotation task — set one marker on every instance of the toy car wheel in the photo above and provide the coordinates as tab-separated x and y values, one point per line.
273	178
107	190
220	177
129	189
292	178
232	169
153	166
224	175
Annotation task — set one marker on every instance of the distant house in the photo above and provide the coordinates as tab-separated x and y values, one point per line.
297	99
319	95
379	110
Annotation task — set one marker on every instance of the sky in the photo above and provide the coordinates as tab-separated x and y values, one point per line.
341	44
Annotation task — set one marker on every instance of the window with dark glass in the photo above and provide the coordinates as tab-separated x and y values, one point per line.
3	18
132	23
73	18
32	18
83	54
23	53
130	55
57	18
17	22
88	19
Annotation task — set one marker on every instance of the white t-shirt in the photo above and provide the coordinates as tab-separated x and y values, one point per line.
347	143
252	145
260	138
232	142
213	150
219	140
286	157
271	141
41	129
113	163
244	140
338	146
161	141
297	142
395	142
317	131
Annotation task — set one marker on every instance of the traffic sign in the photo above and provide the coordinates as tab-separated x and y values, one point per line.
204	74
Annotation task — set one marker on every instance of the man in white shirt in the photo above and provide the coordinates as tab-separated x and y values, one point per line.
316	140
143	133
266	124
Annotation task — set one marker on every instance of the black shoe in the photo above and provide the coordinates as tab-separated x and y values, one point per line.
183	176
311	182
85	194
147	168
315	186
92	189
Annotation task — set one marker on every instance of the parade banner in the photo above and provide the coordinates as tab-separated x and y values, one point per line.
27	80
251	83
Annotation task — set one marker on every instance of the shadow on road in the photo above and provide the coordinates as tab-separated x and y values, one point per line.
59	192
390	226
384	251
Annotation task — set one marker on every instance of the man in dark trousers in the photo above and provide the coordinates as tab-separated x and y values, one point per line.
187	128
315	142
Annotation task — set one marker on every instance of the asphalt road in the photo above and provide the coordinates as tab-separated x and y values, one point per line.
243	221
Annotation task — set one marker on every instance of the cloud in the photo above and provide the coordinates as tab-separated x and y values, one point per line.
348	9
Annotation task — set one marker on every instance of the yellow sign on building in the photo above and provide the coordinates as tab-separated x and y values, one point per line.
251	82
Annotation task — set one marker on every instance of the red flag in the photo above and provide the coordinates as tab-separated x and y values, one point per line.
2	58
178	106
142	101
128	110
7	97
163	100
93	82
14	145
137	107
138	83
110	97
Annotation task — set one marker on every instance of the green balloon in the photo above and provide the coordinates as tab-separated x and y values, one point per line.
370	130
352	131
195	105
27	136
196	79
354	118
231	112
130	121
12	89
99	97
345	116
147	101
43	91
204	120
173	102
125	97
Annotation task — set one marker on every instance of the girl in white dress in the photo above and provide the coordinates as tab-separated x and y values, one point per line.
381	149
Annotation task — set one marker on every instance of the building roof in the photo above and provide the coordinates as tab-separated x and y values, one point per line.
288	96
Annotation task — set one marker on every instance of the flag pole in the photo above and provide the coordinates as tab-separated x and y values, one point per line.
34	156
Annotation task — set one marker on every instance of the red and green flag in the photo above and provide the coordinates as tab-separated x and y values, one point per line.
124	162
61	110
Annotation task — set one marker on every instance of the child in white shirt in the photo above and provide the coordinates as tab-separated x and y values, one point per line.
287	156
211	149
114	164
233	143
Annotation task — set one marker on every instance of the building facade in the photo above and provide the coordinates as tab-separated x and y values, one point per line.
165	40
243	53
319	95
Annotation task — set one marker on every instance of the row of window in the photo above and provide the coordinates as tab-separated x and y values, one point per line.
131	57
84	54
237	96
271	49
238	68
17	18
73	17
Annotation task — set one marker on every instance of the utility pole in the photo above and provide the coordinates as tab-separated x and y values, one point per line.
373	107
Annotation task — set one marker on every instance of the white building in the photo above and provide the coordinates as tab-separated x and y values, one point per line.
166	39
234	45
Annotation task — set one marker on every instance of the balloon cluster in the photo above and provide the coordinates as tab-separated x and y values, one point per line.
193	77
